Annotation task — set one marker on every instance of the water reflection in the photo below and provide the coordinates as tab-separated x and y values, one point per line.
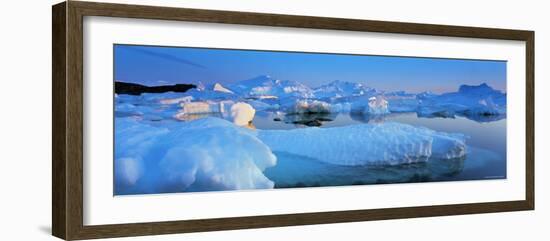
297	171
485	118
481	118
309	119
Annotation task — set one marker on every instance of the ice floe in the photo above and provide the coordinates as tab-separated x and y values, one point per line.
387	143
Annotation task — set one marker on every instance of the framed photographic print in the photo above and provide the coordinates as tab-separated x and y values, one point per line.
171	120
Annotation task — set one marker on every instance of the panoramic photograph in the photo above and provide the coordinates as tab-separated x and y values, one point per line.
189	119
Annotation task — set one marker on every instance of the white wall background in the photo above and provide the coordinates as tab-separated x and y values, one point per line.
25	122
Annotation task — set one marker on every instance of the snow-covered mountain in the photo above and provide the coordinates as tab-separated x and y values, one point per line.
264	86
338	88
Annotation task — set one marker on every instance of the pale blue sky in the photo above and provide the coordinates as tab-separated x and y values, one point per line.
152	65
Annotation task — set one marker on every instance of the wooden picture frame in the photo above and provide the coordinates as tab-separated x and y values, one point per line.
67	150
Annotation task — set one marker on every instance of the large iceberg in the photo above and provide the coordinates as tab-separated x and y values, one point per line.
338	88
264	86
470	101
202	155
366	144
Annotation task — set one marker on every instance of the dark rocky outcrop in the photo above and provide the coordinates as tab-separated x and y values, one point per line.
137	89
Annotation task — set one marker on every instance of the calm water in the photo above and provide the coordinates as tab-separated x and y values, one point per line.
485	159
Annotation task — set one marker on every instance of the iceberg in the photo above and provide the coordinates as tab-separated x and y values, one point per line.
266	87
219	88
206	94
425	95
184	99
145	106
201	107
239	113
264	93
338	88
215	92
202	155
378	105
263	105
242	114
472	101
400	105
366	144
375	105
401	101
306	106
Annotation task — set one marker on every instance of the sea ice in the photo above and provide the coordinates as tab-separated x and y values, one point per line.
387	143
